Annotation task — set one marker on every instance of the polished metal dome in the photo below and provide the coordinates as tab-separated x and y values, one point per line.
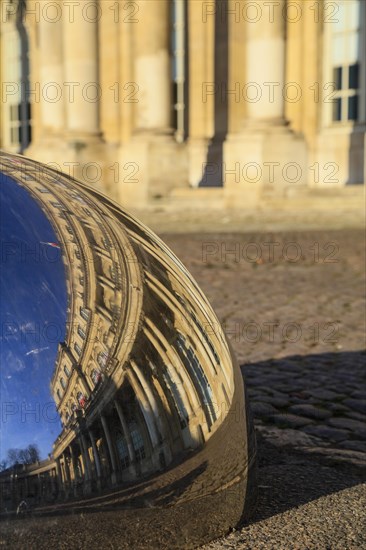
124	422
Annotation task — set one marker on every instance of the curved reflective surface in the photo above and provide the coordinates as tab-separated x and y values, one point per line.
124	421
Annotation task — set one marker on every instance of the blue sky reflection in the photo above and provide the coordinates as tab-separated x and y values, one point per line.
33	320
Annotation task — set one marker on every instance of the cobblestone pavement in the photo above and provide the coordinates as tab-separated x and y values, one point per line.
296	320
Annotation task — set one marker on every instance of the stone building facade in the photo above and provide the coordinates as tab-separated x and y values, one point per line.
161	99
144	375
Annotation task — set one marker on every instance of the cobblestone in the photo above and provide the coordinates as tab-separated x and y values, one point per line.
290	420
325	432
357	427
310	411
358	405
263	410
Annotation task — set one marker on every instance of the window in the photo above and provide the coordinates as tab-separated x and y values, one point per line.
81	332
77	348
58	395
96	376
122	450
177	398
102	359
198	376
137	441
85	313
63	384
81	399
345	61
106	243
67	371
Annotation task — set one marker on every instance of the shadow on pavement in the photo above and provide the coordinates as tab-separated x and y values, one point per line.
293	474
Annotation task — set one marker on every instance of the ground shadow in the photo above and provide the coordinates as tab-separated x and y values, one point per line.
290	476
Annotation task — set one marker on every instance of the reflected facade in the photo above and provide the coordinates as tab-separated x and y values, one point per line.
149	404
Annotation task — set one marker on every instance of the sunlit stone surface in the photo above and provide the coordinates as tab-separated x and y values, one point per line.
123	414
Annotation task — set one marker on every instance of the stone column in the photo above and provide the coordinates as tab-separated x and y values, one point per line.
151	42
81	71
48	142
262	155
112	456
202	85
51	75
151	157
84	94
265	62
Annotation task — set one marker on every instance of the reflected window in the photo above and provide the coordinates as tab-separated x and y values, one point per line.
198	375
77	348
102	359
67	371
178	402
58	395
81	399
63	383
106	243
137	441
81	332
85	313
96	376
122	450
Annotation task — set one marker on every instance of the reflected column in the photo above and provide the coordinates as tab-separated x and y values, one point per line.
126	433
114	473
87	465
96	457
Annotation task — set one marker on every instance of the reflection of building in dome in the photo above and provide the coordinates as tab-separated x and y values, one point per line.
36	482
143	375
